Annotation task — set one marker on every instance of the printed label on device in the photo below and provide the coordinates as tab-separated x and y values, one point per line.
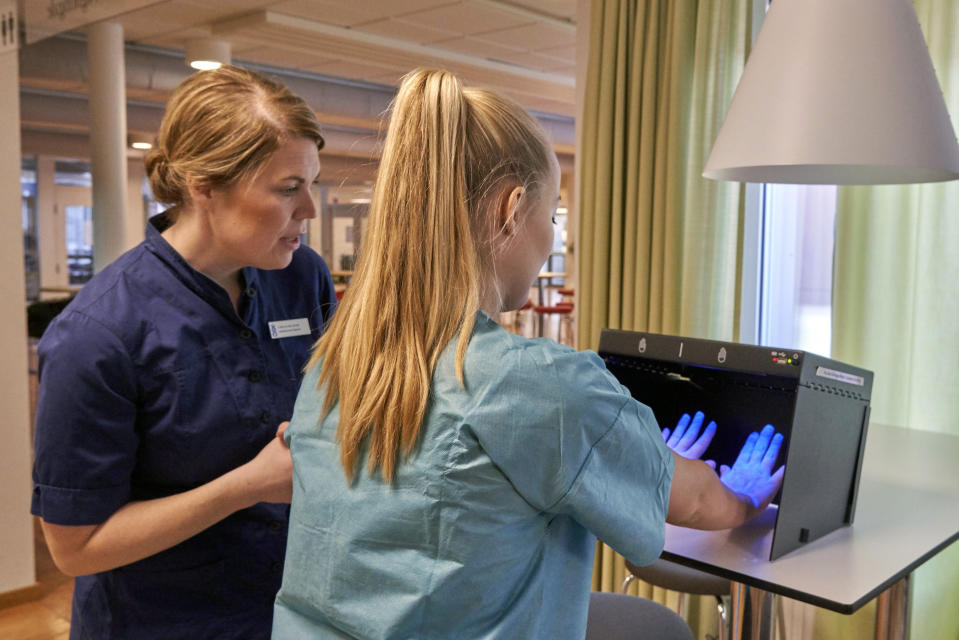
841	376
289	328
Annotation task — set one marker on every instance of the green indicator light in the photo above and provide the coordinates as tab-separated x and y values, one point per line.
790	360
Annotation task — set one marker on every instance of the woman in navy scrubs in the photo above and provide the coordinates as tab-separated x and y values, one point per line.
159	477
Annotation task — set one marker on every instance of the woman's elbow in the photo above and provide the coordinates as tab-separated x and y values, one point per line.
67	547
69	566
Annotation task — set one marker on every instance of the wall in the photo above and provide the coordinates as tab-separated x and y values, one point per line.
16	523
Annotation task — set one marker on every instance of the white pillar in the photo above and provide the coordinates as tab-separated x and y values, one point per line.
108	136
16	533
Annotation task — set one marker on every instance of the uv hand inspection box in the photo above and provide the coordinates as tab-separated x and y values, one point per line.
820	405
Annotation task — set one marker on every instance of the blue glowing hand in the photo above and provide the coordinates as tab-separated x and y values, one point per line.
751	474
686	440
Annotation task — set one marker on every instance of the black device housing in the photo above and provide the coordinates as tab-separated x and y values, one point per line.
820	405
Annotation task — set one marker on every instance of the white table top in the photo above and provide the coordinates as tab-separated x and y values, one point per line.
908	510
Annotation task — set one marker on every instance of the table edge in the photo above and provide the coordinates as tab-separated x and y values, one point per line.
802	596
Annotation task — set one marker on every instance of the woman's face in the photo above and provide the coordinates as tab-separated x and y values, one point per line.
258	221
523	254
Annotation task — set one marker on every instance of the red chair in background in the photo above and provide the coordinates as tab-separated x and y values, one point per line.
564	311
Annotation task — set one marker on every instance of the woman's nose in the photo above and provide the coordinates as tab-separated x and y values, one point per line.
307	208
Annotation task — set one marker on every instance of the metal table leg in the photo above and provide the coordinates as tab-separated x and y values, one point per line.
892	612
753	613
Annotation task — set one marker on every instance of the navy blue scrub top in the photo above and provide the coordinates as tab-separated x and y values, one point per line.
151	383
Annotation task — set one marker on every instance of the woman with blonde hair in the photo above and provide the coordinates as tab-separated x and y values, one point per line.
159	476
449	476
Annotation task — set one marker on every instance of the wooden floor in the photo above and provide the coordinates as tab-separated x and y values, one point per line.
47	615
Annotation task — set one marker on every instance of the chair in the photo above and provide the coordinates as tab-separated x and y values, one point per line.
516	319
614	616
523	314
564	311
41	313
686	581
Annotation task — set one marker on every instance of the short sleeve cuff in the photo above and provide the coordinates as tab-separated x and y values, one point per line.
622	492
57	505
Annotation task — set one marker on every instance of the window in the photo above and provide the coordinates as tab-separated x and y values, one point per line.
78	218
343	217
150	206
795	286
556	260
28	212
79	221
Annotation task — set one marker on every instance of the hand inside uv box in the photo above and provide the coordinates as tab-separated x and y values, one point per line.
751	474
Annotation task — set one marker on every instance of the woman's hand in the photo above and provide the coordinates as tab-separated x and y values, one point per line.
700	499
751	475
269	476
686	440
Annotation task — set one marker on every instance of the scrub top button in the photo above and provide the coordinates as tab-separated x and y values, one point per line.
265	417
246	334
255	376
250	292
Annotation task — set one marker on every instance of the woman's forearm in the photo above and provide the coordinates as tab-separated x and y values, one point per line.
143	528
699	500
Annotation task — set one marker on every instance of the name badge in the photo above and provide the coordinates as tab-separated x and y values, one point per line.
289	328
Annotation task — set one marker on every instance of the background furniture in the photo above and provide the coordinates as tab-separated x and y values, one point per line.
686	581
614	616
564	331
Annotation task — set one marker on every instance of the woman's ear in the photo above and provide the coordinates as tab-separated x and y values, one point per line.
508	210
200	193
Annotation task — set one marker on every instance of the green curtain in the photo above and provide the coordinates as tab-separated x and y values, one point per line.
659	246
895	304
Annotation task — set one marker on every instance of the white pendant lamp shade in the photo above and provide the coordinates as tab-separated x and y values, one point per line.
837	92
207	53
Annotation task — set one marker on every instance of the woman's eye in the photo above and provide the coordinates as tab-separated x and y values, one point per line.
290	190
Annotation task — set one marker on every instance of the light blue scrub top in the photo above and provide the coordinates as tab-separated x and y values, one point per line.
487	530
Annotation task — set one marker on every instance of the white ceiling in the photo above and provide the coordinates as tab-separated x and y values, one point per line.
524	48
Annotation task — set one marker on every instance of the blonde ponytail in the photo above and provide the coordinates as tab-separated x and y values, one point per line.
417	280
